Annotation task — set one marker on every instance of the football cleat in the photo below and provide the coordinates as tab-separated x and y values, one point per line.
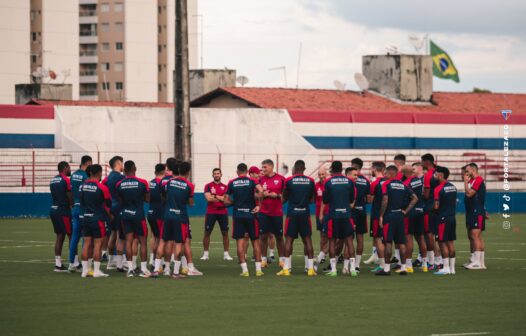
417	263
376	269
272	258
473	266
166	272
354	273
194	272
100	274
424	268
410	270
90	273
244	274
84	275
130	274
259	273
204	258
345	271
120	270
311	272
264	264
281	264
155	274
178	276
283	272
145	274
332	274
228	258
184	271
441	272
403	273
372	259
382	272
357	269
60	269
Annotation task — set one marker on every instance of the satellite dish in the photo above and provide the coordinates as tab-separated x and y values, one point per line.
242	80
417	42
339	85
52	74
361	81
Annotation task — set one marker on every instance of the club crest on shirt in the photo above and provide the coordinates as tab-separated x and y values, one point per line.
276	182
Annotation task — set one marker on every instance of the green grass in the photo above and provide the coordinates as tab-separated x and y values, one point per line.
37	301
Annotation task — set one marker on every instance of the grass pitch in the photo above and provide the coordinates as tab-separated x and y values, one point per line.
36	301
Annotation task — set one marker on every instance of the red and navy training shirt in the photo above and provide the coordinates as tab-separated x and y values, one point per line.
339	192
219	189
131	191
299	191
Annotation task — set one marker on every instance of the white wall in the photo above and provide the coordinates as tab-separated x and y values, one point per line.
140	45
194	35
60	40
14	53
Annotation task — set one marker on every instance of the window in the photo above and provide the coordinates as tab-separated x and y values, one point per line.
33	36
159	87
159	48
33	15
105	66
118	86
118	66
33	58
119	7
105	86
105	7
118	46
159	67
160	9
105	47
118	26
159	29
105	27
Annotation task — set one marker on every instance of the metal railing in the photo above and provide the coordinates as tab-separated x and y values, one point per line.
88	13
88	52
88	33
88	72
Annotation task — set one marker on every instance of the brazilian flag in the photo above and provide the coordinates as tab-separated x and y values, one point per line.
443	66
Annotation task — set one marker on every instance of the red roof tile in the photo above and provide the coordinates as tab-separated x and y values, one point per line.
98	103
355	102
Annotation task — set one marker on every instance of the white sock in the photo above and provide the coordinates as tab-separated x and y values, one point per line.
375	252
381	262
244	267
205	254
471	257
191	266
403	268
184	262
446	265
482	261
353	264
167	267
111	259
431	257
134	262
130	266
286	264
84	266
58	262
225	254
270	252
177	266
258	266
118	260
96	266
419	257
172	258
143	267
409	263
424	261
310	264
264	259
333	264
157	265
452	265
439	260
124	257
306	261
346	264
90	263
397	255
387	267
281	259
152	258
476	259
104	252
320	257
358	260
76	261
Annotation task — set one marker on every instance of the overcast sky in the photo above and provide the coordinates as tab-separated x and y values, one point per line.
485	38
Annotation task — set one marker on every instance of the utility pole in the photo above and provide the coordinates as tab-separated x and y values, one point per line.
182	135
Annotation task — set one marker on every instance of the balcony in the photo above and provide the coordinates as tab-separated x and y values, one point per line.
88	94
88	17
88	2
88	37
88	56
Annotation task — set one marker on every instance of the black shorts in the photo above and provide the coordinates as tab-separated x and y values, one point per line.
61	223
360	219
393	228
430	223
211	219
156	226
476	221
94	229
375	231
447	229
137	227
270	224
115	223
416	223
175	230
298	224
242	226
319	224
339	228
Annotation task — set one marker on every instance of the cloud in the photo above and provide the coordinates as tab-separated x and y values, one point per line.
253	36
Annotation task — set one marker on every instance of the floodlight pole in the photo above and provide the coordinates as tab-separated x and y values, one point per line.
182	132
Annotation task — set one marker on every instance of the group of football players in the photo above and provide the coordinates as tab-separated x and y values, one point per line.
408	203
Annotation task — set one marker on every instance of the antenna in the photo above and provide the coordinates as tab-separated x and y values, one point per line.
361	81
284	68
339	85
392	49
242	80
65	73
